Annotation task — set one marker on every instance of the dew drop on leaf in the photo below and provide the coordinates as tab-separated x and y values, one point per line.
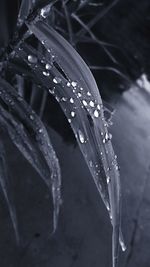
96	113
43	42
84	103
123	246
45	73
73	114
88	93
91	104
74	84
57	80
68	84
40	130
107	137
48	66
116	167
71	100
98	107
108	179
81	137
64	99
32	59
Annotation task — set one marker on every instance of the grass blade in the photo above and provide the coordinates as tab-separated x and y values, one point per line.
70	78
22	111
6	188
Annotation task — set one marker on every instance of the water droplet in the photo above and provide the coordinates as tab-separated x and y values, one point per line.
64	99
69	120
74	84
91	104
88	93
96	113
71	100
73	114
107	206
107	137
43	42
57	98
40	130
108	179
116	167
81	88
79	95
32	59
122	244
81	137
98	107
84	103
51	91
48	66
68	84
45	73
57	80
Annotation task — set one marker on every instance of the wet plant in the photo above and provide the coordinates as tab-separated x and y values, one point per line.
37	56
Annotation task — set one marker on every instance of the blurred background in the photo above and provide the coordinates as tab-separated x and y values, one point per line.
113	38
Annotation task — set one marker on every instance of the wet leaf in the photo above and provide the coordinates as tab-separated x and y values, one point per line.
72	84
24	114
7	191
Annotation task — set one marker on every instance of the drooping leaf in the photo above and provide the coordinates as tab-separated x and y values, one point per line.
23	112
53	82
68	78
24	143
6	188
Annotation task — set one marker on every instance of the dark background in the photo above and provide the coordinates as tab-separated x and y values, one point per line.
83	236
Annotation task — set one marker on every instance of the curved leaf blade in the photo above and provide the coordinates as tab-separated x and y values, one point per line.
31	121
87	119
6	188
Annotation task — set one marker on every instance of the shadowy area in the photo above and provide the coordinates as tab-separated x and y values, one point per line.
83	236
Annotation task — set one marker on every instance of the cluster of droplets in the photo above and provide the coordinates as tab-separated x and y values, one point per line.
107	137
87	101
73	84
